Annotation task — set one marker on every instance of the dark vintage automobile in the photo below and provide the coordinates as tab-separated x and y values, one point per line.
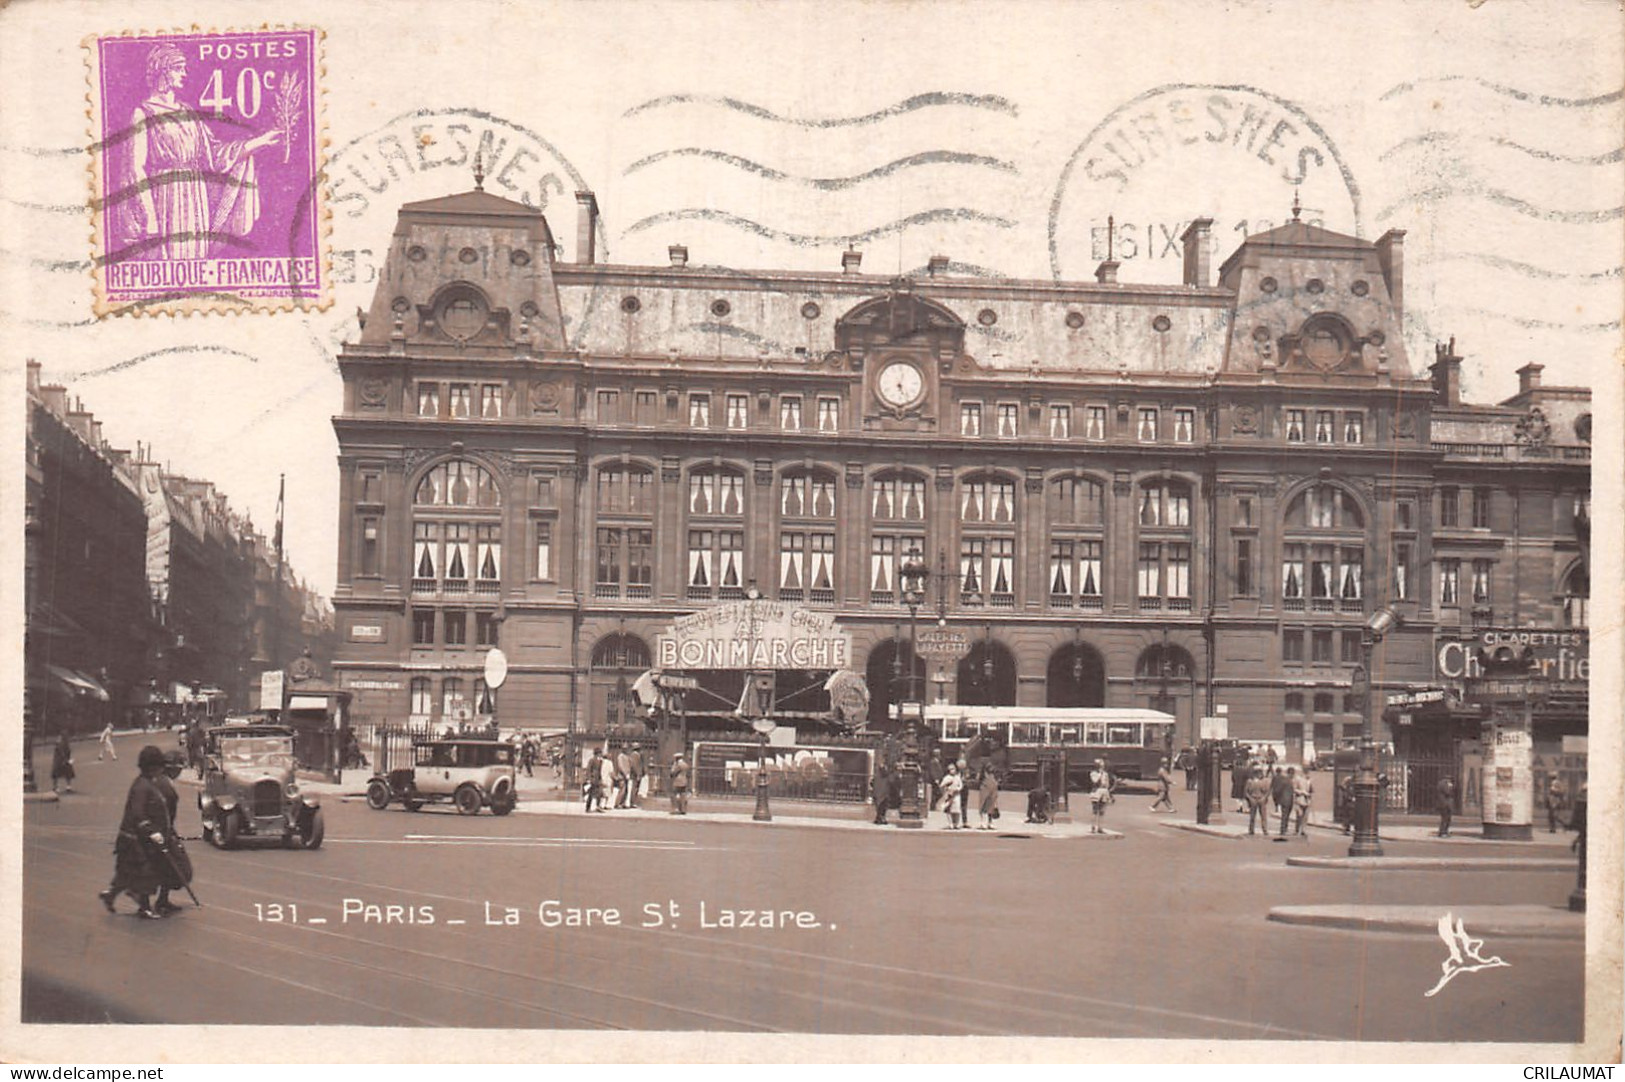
472	774
249	790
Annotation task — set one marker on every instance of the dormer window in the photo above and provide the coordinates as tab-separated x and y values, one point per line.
462	315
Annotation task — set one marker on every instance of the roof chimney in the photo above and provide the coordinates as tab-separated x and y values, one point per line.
1529	377
1198	257
936	265
678	254
851	260
1391	257
1446	373
586	226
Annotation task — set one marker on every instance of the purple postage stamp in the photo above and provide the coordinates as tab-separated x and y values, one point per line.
206	169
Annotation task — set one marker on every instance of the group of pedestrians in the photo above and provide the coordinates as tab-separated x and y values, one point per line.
614	778
1291	792
147	854
951	788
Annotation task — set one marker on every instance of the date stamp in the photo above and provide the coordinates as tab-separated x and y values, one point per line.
205	167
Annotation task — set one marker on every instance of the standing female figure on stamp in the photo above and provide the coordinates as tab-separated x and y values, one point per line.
189	189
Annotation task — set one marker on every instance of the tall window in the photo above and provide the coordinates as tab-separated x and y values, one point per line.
369	545
803	495
1009	420
1184	425
790	413
488	558
461	400
1294	426
829	415
1164	575
645	410
1075	511
888	552
421	697
1094	423
625	490
1074	573
453	704
544	550
1060	422
455	622
1576	594
1326	528
624	556
738	411
1150	575
1353	428
1449	505
1292	646
1320	647
1244	566
970	418
485	628
806	551
1325	422
699	410
422	627
1165	504
1402	570
987	571
1076	501
1481	508
716	492
1481	581
897	496
491	400
1450	582
716	563
1148	425
428	400
1292	561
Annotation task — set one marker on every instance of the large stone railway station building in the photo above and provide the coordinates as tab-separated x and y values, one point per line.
1191	496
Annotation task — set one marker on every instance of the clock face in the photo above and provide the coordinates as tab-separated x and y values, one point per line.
899	384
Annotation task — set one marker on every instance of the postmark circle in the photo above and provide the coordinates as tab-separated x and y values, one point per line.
1253	149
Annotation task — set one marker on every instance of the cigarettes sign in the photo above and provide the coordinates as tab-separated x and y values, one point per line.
1560	657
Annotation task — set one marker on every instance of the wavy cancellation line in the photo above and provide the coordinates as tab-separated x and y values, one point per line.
1469	190
828	184
1571	326
808	240
990	102
1516	93
1437	138
154	354
1528	270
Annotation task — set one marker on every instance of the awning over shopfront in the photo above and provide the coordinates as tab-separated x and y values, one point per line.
79	683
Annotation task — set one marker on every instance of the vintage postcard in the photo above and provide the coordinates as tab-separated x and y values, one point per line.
910	528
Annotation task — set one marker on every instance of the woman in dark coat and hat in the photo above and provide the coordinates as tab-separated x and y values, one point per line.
144	837
62	763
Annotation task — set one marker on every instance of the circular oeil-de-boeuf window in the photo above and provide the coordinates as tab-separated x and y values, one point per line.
1360	287
468	255
1268	285
810	310
1325	344
987	317
630	303
1074	320
720	307
463	315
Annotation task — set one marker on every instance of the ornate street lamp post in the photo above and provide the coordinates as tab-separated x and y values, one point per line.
1367	791
913	578
759	701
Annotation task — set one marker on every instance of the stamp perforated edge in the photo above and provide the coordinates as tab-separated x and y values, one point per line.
210	303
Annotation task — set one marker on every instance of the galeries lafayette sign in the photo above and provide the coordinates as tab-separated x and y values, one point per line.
754	635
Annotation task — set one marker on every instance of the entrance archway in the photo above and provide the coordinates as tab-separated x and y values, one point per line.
617	660
987	675
1076	677
887	676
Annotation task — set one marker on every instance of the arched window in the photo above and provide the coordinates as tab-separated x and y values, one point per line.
1576	595
1162	509
1150	664
457	531
1323	552
716	534
620	653
807	536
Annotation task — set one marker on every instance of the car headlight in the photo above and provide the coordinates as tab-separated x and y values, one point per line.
292	790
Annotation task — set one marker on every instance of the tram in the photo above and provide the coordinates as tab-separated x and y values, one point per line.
1132	741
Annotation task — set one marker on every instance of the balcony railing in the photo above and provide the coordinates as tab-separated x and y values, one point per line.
1464	449
1002	601
1150	604
1322	604
1179	604
821	597
425	586
790	593
1352	604
1091	603
488	586
1292	604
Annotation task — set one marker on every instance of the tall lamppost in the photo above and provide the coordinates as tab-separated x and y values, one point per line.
758	698
1367	791
913	576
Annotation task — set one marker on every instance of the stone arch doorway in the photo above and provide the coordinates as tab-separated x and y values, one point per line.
1076	677
987	675
887	676
617	660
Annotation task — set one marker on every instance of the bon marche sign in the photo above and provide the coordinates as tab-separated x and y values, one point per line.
754	635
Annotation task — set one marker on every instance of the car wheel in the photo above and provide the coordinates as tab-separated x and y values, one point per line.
225	831
314	830
411	801
502	803
377	795
468	800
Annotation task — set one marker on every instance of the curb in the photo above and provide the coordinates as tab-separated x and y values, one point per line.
1519	921
1233	833
41	798
1429	864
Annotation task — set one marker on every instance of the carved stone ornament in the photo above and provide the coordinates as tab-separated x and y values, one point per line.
544	397
1244	421
1534	430
1405	425
416	456
374	392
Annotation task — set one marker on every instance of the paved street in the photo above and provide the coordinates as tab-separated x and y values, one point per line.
1160	934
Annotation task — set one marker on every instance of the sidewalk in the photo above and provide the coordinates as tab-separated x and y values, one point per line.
1521	921
1405	829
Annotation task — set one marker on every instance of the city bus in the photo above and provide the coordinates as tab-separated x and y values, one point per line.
1132	741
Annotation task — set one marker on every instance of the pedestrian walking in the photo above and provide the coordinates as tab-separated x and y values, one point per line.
1100	794
1446	803
144	835
952	784
964	792
634	773
62	763
593	786
606	779
1557	799
988	808
1257	793
1165	786
106	747
176	871
527	755
623	779
679	785
1281	797
1345	801
1239	776
1303	794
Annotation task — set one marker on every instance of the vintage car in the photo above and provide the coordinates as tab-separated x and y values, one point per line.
472	774
249	789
